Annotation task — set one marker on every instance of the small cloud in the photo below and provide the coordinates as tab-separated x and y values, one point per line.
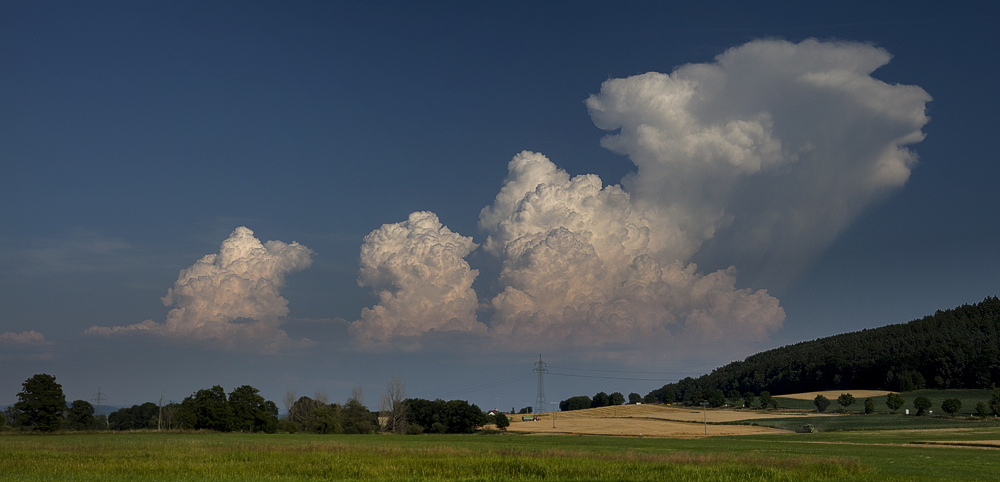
24	338
231	298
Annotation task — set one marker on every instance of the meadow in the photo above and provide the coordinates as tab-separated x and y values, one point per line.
149	456
969	397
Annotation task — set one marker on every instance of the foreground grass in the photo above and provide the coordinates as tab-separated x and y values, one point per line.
791	457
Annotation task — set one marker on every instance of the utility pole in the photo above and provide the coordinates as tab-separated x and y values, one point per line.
704	412
553	414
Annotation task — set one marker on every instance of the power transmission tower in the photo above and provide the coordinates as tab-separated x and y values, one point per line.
540	399
99	402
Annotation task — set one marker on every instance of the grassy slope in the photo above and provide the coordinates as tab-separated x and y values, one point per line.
968	397
864	456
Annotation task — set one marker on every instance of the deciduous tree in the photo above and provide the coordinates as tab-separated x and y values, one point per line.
767	401
894	401
951	405
208	409
393	406
821	403
41	403
251	413
80	416
921	404
501	421
845	400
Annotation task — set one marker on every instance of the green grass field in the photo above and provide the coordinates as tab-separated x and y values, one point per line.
968	398
839	456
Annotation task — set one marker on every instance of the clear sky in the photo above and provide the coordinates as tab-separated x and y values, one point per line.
313	196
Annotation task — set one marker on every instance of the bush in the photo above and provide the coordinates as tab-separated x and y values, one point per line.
869	406
414	429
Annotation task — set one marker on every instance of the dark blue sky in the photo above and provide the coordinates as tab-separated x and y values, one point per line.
134	138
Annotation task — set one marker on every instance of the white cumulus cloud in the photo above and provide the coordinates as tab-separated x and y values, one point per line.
583	264
232	297
418	269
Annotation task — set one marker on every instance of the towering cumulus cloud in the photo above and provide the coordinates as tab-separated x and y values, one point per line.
584	264
756	160
423	282
232	297
769	152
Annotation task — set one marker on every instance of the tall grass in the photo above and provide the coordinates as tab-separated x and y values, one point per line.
191	457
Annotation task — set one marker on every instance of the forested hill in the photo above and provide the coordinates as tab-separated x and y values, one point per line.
957	348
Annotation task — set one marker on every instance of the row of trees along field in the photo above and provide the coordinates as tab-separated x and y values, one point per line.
957	348
600	399
42	406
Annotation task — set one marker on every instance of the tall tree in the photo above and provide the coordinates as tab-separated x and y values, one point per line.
208	409
600	399
393	406
356	418
251	413
41	403
616	399
921	404
634	398
80	416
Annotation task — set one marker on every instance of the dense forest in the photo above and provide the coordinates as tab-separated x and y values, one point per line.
957	348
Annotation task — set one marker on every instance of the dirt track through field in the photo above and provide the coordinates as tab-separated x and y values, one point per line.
650	420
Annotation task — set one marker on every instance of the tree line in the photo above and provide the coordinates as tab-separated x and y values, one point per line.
957	348
42	406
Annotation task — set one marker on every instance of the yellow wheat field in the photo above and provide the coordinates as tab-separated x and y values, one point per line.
649	420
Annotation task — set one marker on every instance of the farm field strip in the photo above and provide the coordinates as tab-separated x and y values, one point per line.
882	457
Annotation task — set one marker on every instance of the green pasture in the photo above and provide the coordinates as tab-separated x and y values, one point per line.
832	456
968	398
878	421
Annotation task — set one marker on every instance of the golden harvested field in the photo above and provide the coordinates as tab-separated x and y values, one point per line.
833	394
649	420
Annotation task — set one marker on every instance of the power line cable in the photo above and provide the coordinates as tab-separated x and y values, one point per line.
612	378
